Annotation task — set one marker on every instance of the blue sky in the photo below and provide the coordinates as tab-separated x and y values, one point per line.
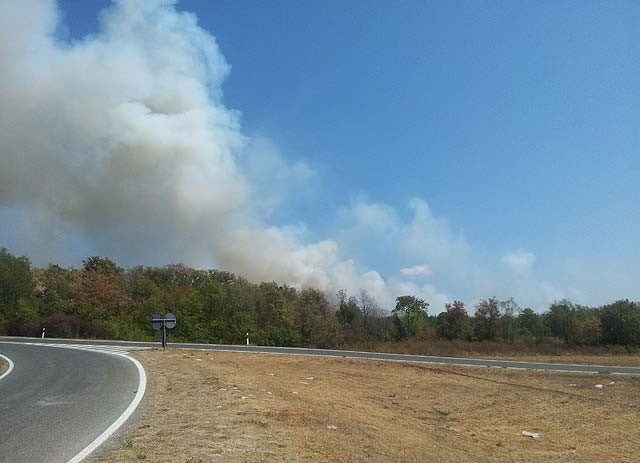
515	124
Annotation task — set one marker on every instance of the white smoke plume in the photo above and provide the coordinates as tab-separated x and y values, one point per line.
120	145
121	142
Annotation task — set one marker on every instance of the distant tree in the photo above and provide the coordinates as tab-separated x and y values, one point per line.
409	315
621	323
560	319
315	321
508	320
530	325
454	322
102	265
587	328
57	290
373	317
349	315
103	289
232	311
485	319
16	288
275	316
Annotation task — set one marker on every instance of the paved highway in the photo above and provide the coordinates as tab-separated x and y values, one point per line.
57	403
635	371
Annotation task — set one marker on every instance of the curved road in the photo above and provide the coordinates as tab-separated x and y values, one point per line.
57	401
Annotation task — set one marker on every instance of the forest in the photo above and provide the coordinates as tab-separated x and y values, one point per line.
103	300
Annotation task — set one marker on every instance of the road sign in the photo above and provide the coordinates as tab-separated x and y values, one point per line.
156	321
164	324
170	321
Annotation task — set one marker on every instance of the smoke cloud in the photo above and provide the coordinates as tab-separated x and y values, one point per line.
120	145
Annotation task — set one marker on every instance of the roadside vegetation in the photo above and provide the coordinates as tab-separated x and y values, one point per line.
104	300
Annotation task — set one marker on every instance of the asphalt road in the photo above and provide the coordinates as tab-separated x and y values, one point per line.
57	401
635	371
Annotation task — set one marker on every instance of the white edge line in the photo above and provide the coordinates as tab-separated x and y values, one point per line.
98	441
10	369
142	385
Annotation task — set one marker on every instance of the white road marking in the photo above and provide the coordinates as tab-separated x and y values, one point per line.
142	386
10	369
122	419
105	349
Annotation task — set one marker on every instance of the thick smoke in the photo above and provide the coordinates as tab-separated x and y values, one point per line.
121	142
120	145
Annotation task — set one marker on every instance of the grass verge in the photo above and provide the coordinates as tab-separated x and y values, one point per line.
535	352
215	407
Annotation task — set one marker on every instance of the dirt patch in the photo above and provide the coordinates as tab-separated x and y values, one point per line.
3	365
212	406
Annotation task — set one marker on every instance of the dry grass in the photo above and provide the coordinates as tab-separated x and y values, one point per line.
210	406
543	352
3	365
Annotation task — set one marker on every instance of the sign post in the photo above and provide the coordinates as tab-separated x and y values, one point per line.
164	324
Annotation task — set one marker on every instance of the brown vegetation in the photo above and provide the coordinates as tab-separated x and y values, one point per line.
210	406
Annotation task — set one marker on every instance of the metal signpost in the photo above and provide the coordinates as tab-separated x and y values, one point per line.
166	323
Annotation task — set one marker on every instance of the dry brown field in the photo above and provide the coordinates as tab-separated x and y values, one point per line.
206	407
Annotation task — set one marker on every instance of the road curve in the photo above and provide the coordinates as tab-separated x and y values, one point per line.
475	362
57	403
9	366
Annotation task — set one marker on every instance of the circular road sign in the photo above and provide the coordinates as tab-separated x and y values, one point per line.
156	321
170	320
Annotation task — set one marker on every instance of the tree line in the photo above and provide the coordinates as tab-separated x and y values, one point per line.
104	300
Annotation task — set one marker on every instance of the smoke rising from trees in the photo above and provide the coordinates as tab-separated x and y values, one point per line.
121	142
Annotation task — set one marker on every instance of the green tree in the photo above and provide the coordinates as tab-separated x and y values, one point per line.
101	265
621	323
454	322
57	290
508	320
560	319
588	328
409	315
275	315
315	320
16	289
349	316
530	326
485	319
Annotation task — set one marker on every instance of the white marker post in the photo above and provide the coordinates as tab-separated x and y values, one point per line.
247	339
43	330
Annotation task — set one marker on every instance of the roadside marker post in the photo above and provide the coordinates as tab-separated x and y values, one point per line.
247	339
164	324
43	330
